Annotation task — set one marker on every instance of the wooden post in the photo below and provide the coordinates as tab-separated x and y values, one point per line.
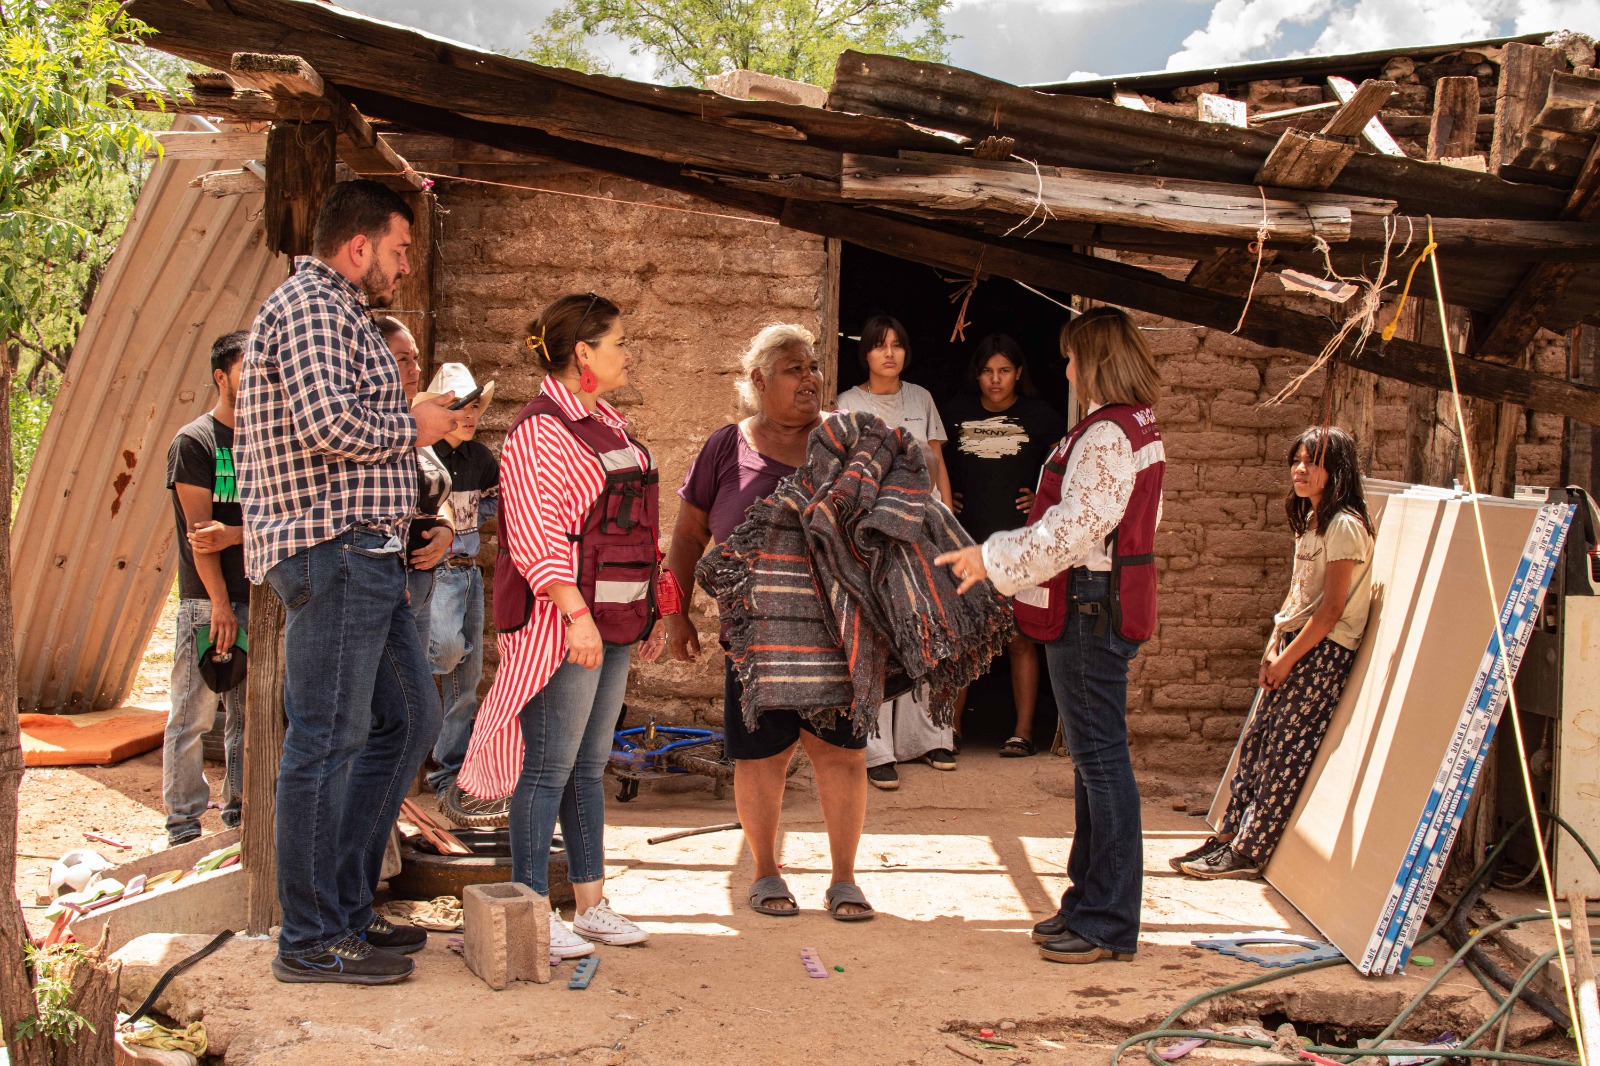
300	171
828	321
263	744
1588	1002
1580	442
1525	71
1351	397
1430	444
414	298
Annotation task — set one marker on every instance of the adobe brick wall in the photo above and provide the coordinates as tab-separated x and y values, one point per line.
695	289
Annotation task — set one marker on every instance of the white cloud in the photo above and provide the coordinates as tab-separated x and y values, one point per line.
1243	30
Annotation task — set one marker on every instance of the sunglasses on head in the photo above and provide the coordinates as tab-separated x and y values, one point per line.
594	298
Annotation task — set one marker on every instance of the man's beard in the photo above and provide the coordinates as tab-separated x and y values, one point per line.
378	286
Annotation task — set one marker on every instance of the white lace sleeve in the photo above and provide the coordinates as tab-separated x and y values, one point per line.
1093	501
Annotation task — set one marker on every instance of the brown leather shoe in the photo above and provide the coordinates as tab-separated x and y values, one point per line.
1074	949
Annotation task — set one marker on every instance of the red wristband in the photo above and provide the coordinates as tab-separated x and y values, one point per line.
574	616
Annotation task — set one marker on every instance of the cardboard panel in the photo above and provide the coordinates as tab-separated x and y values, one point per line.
1401	710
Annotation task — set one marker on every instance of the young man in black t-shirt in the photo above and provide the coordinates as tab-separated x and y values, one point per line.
213	592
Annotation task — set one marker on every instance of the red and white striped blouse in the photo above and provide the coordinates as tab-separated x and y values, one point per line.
548	482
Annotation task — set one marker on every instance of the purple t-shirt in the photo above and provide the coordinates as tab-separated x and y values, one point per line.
727	477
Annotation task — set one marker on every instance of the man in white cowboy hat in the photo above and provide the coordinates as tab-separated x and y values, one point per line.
455	639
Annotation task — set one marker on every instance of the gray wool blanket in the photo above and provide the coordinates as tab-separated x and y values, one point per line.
829	587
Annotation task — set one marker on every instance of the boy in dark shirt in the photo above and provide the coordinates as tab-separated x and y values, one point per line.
213	592
455	640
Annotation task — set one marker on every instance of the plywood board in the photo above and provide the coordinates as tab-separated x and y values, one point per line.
1401	710
1577	787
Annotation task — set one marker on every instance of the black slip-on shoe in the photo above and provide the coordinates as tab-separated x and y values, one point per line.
885	777
1052	927
1075	949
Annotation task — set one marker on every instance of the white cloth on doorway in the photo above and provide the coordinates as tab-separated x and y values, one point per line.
906	732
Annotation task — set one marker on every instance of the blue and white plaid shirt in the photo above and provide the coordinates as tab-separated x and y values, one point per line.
325	441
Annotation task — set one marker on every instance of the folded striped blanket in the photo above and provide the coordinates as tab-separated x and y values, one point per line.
830	592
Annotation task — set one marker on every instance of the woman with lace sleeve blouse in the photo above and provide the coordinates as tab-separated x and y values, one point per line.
1082	572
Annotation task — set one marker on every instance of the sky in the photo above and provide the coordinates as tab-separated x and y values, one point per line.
1053	40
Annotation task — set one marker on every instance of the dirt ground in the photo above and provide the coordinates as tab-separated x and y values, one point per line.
959	865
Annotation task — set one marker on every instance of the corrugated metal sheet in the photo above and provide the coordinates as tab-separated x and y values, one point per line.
93	548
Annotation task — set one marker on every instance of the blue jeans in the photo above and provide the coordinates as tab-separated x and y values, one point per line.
1089	672
194	711
362	713
455	648
566	733
419	597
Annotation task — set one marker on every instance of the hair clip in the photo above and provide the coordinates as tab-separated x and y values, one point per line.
536	344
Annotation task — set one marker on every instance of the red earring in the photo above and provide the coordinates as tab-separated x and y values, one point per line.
587	381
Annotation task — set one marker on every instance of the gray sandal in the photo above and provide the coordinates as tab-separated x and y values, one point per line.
764	891
846	892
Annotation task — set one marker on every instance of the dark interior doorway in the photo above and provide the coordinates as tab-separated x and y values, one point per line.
871	283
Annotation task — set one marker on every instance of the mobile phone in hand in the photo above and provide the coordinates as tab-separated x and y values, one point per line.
467	399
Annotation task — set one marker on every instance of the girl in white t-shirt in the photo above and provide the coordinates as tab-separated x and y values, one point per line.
905	733
1314	640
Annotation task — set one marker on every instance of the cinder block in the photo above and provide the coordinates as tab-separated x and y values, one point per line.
507	934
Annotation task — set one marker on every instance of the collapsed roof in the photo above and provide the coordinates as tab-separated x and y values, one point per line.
940	165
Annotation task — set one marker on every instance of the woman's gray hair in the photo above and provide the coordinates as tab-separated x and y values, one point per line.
765	350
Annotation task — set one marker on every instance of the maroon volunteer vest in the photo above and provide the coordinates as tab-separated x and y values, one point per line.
1042	612
617	556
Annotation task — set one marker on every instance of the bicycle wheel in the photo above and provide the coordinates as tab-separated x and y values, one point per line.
469	812
707	760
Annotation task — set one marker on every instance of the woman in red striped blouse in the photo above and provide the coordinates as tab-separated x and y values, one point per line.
545	729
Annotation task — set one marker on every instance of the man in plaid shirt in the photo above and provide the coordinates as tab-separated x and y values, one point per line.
327	479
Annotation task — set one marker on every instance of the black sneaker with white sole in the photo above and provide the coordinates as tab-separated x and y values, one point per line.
885	777
1211	844
1224	864
403	939
352	961
940	759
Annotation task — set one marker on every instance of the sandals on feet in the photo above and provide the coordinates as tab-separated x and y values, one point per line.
764	891
1017	748
845	892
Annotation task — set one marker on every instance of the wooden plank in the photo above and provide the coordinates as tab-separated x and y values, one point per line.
204	145
1213	108
1453	130
1548	157
1372	129
263	746
229	183
1572	104
1525	71
248	106
1292	112
1358	110
1304	161
279	76
1076	131
1584	992
1147	290
430	148
828	319
1207	208
206	903
529	99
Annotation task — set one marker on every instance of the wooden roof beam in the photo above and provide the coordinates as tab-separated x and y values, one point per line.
1515	324
1147	290
291	78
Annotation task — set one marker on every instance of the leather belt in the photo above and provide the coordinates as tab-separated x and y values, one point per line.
456	561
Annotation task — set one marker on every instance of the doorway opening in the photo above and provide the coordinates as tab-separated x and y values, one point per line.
928	302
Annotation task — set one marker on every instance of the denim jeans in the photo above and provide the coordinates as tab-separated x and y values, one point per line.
567	729
362	713
455	648
1089	672
419	597
194	711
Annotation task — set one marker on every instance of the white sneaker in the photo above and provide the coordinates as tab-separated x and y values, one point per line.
563	944
604	925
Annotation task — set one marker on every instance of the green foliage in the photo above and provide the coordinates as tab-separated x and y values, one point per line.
70	157
694	39
30	407
52	987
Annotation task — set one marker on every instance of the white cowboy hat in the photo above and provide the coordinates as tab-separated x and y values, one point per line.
456	378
